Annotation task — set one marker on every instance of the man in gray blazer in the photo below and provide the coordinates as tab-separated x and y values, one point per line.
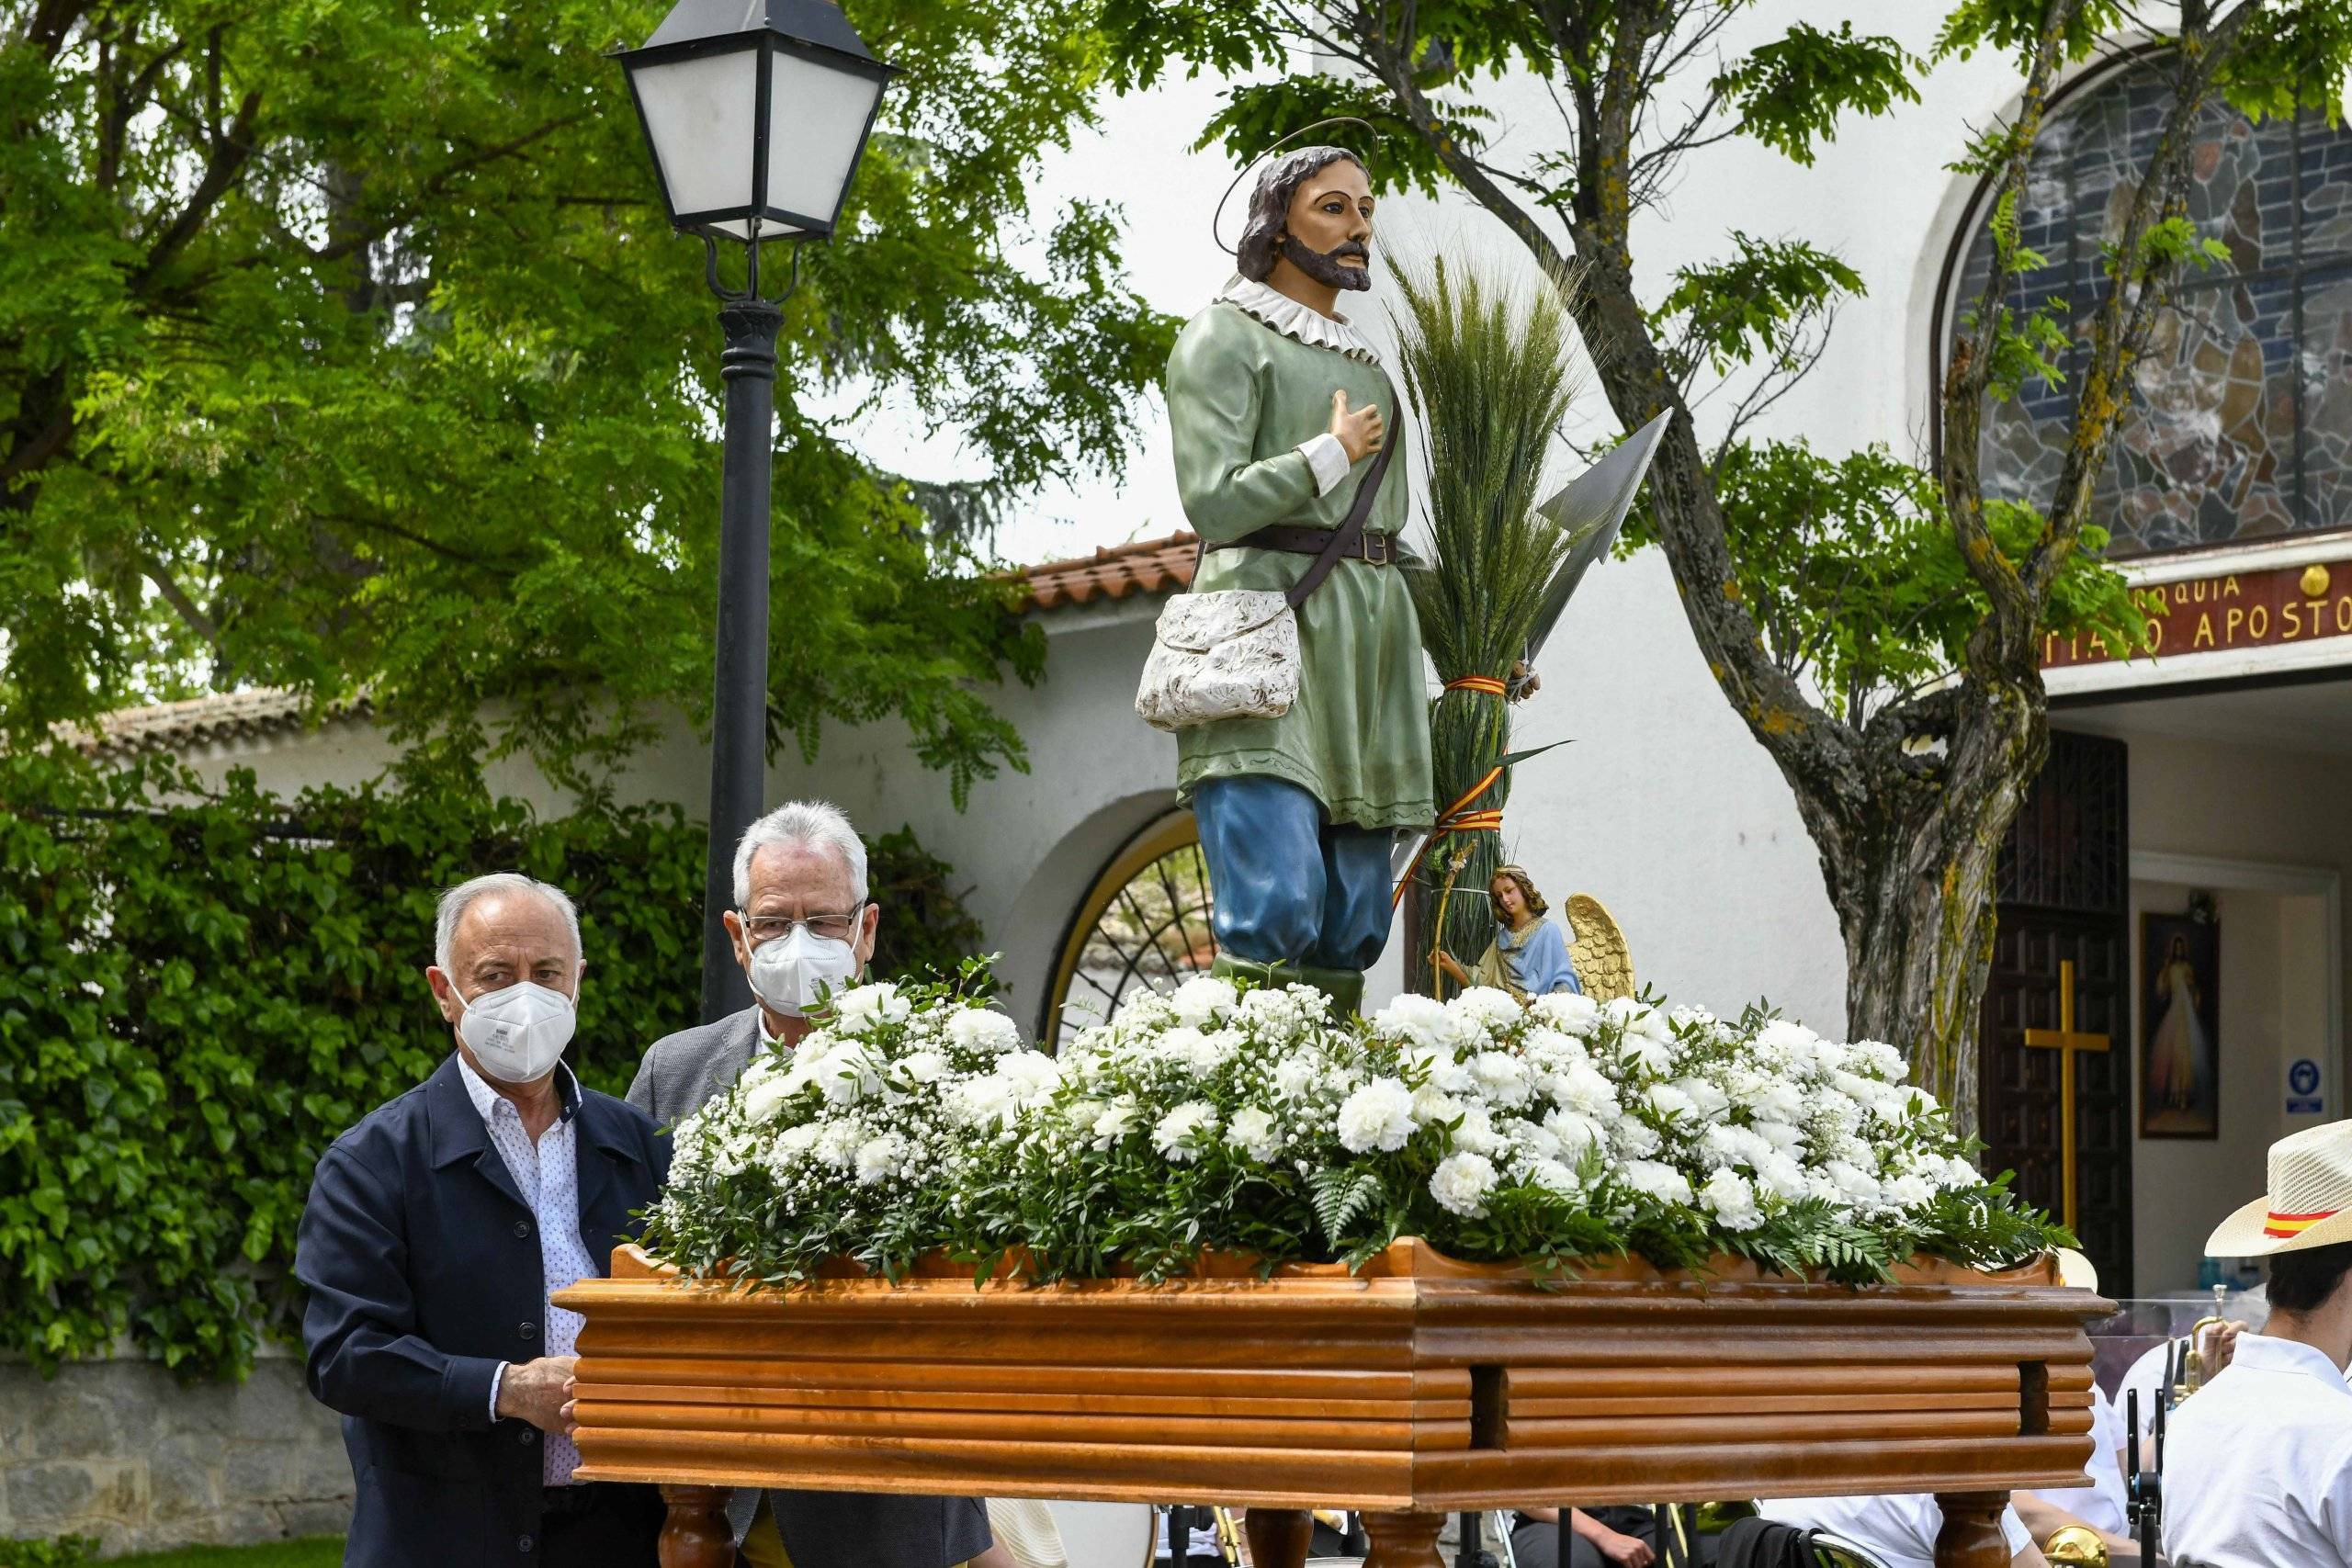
802	925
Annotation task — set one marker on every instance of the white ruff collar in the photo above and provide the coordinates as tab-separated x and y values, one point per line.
1307	324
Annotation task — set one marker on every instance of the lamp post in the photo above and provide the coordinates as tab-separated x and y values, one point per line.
757	112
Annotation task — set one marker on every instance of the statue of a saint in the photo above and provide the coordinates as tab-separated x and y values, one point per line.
1529	956
1278	407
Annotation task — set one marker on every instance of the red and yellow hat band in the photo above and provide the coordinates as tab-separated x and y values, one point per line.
2279	1225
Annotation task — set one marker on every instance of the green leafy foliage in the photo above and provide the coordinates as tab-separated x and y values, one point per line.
63	1551
1791	92
198	992
1848	566
347	346
1743	308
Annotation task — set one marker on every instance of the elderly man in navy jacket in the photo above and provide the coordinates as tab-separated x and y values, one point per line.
435	1231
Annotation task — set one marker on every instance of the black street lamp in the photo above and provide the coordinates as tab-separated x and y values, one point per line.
757	112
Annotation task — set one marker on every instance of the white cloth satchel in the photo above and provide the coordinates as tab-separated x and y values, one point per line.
1233	653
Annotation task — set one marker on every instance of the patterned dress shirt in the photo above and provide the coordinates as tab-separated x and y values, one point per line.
547	1174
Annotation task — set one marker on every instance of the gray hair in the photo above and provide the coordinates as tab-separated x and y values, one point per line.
458	900
813	823
1269	205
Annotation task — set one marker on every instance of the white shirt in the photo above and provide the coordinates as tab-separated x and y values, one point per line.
2098	1502
548	1175
2258	1466
1900	1529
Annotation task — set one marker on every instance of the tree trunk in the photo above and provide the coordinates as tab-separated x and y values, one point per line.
1915	884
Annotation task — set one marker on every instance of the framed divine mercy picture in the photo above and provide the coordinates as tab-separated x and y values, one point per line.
2180	1012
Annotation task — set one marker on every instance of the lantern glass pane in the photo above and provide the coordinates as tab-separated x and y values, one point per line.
699	115
816	118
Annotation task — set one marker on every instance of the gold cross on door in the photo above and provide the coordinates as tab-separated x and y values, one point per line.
2067	1041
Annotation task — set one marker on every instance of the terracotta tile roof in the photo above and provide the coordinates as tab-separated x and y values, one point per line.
1148	566
202	721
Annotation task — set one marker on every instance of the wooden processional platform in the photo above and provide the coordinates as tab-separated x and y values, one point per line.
1415	1387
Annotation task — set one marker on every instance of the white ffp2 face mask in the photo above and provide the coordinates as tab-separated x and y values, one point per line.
518	1035
791	973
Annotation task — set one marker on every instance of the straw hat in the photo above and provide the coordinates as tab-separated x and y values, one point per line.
2309	1203
2076	1271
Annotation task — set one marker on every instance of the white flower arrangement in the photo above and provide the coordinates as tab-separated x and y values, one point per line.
1220	1118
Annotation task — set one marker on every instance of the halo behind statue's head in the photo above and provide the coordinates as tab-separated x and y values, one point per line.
1270	201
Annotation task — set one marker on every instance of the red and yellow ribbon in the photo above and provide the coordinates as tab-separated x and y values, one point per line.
1485	683
1455	818
2279	1225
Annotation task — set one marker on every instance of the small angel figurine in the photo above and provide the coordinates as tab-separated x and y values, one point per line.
1529	956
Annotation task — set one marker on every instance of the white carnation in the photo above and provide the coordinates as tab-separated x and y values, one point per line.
1203	999
1296	1074
922	1066
1582	1089
1486	1006
1551	1175
1461	1182
1854	1185
1654	1180
861	1011
1113	1124
1784	1177
880	1159
1908	1192
1031	1075
1422	1019
1732	1201
1576	1133
1179	1135
983	1029
1567	1010
1706	1098
1502	1079
1253	1131
1377	1116
765	1098
1667	1101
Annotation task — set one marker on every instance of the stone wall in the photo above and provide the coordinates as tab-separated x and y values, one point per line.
120	1450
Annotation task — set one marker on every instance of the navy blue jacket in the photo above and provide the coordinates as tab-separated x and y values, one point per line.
424	1273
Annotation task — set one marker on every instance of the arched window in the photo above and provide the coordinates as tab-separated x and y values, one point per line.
1144	924
2241	427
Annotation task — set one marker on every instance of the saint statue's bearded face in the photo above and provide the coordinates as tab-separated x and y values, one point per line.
1311	211
1329	227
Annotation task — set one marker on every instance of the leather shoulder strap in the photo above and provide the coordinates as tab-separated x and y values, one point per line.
1345	536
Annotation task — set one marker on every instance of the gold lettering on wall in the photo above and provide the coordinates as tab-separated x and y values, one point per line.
2231	610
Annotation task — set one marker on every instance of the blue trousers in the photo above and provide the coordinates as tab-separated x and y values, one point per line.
1291	887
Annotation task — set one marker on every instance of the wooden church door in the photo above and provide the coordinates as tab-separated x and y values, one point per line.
2063	941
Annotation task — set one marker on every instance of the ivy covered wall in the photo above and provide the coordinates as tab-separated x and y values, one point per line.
199	990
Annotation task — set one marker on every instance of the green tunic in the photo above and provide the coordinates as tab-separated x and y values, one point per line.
1241	398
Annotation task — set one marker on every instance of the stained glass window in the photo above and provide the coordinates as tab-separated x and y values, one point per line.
1146	923
2241	423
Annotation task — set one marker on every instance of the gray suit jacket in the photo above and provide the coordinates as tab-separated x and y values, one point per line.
821	1530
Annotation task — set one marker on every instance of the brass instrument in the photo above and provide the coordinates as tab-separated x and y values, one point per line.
2076	1546
2192	1361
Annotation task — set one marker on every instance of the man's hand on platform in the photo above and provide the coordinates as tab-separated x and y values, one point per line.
1624	1551
538	1391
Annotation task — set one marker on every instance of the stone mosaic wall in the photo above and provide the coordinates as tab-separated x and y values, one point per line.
118	1450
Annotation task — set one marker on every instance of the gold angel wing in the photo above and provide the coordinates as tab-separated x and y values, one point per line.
1604	964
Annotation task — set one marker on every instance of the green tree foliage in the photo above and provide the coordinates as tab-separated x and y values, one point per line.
346	346
197	998
1874	617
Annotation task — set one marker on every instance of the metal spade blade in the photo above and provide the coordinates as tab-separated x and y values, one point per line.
1590	510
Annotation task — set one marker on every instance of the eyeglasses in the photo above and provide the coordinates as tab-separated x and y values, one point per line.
763	928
